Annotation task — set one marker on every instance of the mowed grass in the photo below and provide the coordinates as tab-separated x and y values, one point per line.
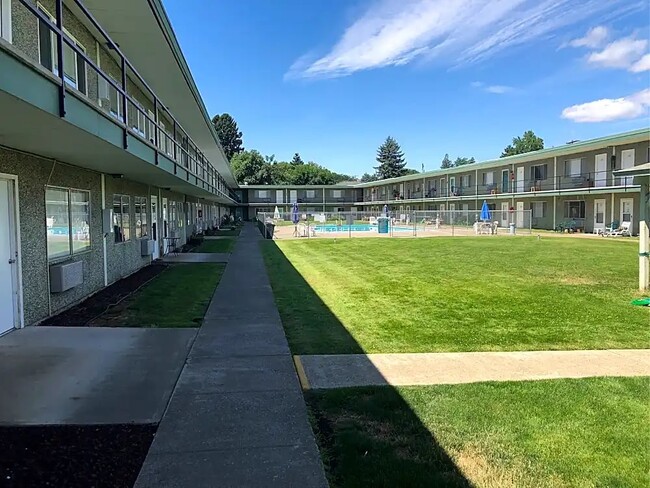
457	294
557	433
216	245
177	297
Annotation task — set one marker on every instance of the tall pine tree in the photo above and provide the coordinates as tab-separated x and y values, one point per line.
446	162
391	160
297	160
229	134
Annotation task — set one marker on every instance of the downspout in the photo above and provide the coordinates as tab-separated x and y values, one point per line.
105	263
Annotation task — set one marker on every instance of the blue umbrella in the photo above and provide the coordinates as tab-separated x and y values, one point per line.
294	213
485	212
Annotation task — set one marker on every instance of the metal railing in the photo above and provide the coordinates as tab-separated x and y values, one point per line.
120	104
450	223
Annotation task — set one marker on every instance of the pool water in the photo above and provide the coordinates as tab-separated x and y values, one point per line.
356	228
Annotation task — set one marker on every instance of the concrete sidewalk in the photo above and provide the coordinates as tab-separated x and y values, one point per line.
346	370
197	257
237	417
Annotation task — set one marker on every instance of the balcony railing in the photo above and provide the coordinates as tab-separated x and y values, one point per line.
114	97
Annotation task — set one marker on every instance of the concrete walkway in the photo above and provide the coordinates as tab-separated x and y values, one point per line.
345	370
197	257
237	417
89	375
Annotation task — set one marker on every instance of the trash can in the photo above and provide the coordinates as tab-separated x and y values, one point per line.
382	225
513	229
270	229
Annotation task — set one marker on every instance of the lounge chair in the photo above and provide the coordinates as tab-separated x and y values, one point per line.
625	230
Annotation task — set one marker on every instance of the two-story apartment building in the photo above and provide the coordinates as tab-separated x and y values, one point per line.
106	150
573	182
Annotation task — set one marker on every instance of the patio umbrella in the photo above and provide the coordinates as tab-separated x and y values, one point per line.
485	212
386	210
294	214
276	213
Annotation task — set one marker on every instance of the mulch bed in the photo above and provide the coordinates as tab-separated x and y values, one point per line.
81	314
88	456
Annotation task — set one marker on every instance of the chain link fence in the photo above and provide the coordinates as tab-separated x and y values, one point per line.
419	223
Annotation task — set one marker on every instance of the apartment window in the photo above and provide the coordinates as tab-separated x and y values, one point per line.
539	172
539	210
574	210
5	19
465	181
488	178
140	217
74	67
67	221
109	98
311	194
573	167
337	193
121	218
262	194
139	120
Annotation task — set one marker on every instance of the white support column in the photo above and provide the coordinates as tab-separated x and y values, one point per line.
644	238
611	210
103	184
554	181
554	212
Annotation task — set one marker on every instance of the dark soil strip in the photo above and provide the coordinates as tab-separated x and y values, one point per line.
81	314
73	456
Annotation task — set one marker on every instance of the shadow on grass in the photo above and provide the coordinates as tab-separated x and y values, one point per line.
368	436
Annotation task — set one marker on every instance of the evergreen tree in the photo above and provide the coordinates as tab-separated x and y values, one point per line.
297	160
229	134
526	143
391	160
446	162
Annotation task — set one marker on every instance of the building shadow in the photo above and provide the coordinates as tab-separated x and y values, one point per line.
368	436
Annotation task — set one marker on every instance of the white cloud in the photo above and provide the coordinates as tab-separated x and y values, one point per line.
498	89
619	54
395	32
641	65
608	109
594	38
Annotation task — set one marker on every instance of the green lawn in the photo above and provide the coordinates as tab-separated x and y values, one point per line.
218	245
557	433
178	297
457	294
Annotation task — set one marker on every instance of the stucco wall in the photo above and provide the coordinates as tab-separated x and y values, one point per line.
33	175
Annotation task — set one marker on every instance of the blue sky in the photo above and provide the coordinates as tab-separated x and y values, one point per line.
331	80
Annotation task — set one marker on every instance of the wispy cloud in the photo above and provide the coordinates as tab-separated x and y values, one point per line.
594	38
497	89
459	32
641	65
622	53
608	109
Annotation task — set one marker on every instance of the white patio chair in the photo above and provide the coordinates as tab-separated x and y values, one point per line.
625	230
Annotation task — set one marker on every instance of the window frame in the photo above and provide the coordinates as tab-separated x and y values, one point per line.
54	58
5	21
581	209
568	167
141	203
310	193
485	178
103	85
534	208
263	194
71	250
122	196
534	172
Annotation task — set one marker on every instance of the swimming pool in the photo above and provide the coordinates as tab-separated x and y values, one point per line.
356	228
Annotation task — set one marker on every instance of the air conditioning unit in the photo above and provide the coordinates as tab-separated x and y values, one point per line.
147	247
66	276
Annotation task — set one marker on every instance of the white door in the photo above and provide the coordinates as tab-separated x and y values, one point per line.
600	170
520	180
627	161
293	196
165	216
626	210
452	185
279	196
504	214
155	231
8	258
520	214
599	214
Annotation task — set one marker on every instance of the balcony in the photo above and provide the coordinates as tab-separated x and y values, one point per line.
133	118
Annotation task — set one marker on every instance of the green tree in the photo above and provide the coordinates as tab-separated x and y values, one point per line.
391	160
463	161
297	160
246	167
229	134
446	162
526	143
410	171
367	177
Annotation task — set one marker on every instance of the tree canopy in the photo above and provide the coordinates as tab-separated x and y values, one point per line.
463	161
297	160
526	143
446	162
229	134
252	168
391	160
367	177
